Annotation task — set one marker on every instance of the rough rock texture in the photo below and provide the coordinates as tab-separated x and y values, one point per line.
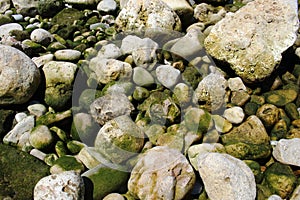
4	5
226	177
66	185
141	14
119	139
161	173
110	106
28	7
6	28
19	173
167	75
19	76
288	151
253	39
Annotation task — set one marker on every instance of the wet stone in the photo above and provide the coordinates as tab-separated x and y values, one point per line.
280	97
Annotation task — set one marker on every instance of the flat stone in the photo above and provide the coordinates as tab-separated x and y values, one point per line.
167	75
142	77
66	185
41	36
287	151
19	76
107	6
226	177
262	31
161	173
280	97
67	55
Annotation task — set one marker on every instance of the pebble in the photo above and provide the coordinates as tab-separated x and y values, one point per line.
167	75
67	55
161	173
107	6
5	5
226	177
142	77
41	36
268	114
6	28
222	125
114	196
38	154
280	97
67	185
37	109
236	84
41	137
109	51
287	151
89	157
234	114
20	116
42	60
274	197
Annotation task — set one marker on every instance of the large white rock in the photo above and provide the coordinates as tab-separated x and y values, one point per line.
161	173
226	177
67	185
4	5
6	28
287	151
139	15
19	76
252	39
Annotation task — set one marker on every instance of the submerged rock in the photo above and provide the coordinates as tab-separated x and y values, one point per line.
253	39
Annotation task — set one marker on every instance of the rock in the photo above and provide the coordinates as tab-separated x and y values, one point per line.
52	117
19	173
67	16
19	76
66	163
279	130
234	115
19	132
59	83
161	173
287	151
253	53
280	97
211	90
5	5
107	6
195	150
236	84
208	14
268	114
119	139
41	138
143	50
226	177
284	176
183	93
222	125
67	55
105	180
37	109
167	75
110	106
239	98
41	36
109	51
67	185
107	70
142	77
296	193
248	141
6	120
292	111
88	156
81	2
139	15
42	60
114	196
172	138
140	93
48	8
26	7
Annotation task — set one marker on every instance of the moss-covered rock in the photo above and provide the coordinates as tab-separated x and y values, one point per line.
6	119
19	173
48	8
66	163
67	16
281	97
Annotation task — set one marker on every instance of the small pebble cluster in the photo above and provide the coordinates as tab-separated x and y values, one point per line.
149	99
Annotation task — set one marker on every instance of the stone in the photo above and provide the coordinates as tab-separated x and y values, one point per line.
81	2
119	139
167	75
222	125
41	138
234	114
110	106
66	163
211	91
6	121
110	51
236	84
107	6
19	173
203	148
19	76
67	16
53	117
183	93
248	141
37	109
105	180
292	111
287	151
67	185
137	15
114	196
59	83
280	97
161	173
296	193
48	8
284	176
279	130
107	70
41	36
88	156
226	177
26	7
5	5
140	93
208	14
142	77
172	138
67	55
253	53
268	114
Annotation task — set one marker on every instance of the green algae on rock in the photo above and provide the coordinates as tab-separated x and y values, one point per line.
19	173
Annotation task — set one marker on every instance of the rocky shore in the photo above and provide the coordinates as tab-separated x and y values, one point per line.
149	99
